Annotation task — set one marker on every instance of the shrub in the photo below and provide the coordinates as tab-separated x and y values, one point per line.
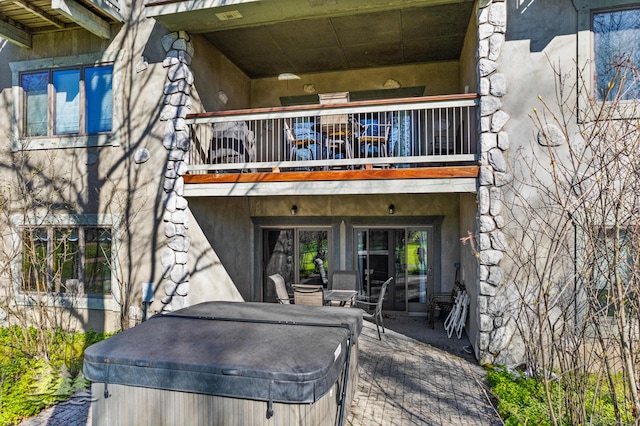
521	400
29	383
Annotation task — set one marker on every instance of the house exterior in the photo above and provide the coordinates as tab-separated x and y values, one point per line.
157	146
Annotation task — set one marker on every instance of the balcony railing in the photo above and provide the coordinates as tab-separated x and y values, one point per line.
398	133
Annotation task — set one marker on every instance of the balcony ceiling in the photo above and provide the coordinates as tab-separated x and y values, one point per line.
21	19
269	37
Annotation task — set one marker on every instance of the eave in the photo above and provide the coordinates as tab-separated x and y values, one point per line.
21	19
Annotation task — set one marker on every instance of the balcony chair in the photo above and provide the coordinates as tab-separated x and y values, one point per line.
376	315
281	289
336	127
304	142
373	139
446	140
231	143
339	135
310	295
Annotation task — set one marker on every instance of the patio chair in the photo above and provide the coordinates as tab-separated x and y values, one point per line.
310	295
376	315
344	280
281	289
443	302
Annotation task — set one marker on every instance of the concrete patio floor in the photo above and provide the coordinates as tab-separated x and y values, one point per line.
413	376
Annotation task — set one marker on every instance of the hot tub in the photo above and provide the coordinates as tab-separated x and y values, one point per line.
228	363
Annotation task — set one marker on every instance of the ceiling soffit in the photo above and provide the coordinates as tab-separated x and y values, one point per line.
424	32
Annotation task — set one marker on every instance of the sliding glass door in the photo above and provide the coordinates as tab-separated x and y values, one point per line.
300	255
406	254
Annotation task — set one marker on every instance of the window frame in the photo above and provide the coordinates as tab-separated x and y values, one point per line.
78	300
587	85
606	237
595	12
22	142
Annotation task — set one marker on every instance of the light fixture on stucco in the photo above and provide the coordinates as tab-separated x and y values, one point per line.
288	76
309	88
392	209
391	84
222	96
294	210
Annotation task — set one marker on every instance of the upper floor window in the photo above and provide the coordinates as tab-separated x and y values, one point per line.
67	102
617	54
71	101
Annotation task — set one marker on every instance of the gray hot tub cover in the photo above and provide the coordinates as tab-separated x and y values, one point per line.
260	351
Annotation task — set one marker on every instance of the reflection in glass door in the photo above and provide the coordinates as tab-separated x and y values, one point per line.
404	254
379	259
419	276
299	255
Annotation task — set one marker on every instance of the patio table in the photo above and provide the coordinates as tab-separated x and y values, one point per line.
341	296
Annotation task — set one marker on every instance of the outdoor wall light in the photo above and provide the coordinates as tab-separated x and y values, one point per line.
392	209
288	76
222	96
294	210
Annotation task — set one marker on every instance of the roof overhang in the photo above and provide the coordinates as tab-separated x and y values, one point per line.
21	19
265	38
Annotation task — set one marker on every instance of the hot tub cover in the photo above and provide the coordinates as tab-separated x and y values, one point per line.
260	351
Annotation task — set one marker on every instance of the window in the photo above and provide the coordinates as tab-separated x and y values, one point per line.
616	40
67	102
75	260
613	260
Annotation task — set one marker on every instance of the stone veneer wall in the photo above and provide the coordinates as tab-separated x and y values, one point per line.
495	333
177	102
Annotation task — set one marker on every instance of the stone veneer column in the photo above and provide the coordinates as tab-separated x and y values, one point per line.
494	142
177	101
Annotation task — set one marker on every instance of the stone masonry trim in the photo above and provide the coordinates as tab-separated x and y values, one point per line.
494	334
176	104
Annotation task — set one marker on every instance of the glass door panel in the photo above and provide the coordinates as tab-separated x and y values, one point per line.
405	254
376	263
362	267
419	283
399	268
312	257
378	271
278	259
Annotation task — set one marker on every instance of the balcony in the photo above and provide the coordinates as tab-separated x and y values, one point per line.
21	19
395	139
